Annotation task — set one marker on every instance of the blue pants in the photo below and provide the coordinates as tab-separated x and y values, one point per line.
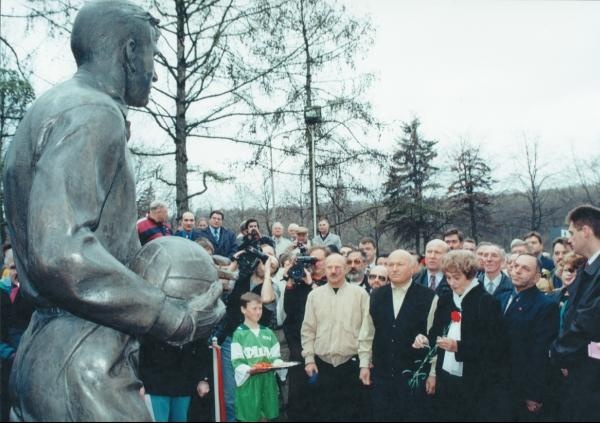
228	379
170	409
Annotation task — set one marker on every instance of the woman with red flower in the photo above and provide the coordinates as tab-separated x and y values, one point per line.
471	345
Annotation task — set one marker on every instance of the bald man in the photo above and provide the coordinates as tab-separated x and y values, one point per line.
188	227
532	321
397	314
332	321
432	276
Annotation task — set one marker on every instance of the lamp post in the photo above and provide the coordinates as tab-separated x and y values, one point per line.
312	117
272	174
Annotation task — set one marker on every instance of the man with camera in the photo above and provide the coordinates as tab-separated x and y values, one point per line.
256	263
300	241
304	273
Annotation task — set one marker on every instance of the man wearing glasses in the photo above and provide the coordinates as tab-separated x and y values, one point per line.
378	277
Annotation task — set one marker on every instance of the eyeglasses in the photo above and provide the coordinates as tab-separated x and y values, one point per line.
355	261
380	277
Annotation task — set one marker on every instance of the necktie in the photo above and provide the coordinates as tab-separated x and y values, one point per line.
511	300
216	235
490	287
432	282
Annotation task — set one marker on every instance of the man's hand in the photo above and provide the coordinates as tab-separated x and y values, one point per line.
533	406
447	344
365	376
430	385
203	388
307	277
311	368
421	341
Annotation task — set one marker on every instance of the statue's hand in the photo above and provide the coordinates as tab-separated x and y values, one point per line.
202	312
206	310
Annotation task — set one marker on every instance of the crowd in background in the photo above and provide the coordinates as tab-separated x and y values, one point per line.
466	331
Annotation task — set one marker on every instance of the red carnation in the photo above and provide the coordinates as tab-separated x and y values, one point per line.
455	316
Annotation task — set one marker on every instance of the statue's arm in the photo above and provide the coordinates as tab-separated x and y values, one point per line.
69	265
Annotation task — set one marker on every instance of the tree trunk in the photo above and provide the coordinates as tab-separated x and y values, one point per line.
181	159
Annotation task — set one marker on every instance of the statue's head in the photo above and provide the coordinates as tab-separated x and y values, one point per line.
120	34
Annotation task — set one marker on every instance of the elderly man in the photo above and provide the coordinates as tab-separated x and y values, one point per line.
518	246
281	242
398	312
332	321
155	224
531	320
469	244
69	160
577	348
493	279
324	237
188	227
432	276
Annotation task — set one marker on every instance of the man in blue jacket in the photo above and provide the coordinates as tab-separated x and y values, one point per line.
222	239
531	320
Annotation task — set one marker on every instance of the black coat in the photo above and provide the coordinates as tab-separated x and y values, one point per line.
581	325
532	324
483	349
172	371
394	335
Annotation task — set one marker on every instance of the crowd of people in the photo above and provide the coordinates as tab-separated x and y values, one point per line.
468	331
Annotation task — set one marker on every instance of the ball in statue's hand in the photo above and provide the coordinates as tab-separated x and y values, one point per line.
177	266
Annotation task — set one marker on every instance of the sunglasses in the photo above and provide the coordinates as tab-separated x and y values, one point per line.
380	277
355	261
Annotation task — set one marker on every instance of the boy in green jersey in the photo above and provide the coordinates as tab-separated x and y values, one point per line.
253	349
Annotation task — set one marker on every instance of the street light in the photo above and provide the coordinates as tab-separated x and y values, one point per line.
312	117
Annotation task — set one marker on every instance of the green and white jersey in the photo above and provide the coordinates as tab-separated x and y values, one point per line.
256	396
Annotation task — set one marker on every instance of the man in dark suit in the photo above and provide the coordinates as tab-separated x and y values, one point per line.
531	320
222	239
432	276
576	347
493	279
398	312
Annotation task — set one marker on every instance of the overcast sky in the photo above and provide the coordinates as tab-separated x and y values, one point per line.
491	71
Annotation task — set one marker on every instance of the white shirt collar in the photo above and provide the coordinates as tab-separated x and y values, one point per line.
458	298
438	277
496	281
593	258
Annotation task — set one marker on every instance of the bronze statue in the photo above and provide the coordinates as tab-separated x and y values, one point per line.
70	204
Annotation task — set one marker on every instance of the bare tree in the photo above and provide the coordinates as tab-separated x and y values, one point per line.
533	180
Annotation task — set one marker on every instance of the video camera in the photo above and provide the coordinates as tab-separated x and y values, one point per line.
253	253
303	261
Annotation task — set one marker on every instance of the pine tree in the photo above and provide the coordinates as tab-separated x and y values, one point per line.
412	214
467	193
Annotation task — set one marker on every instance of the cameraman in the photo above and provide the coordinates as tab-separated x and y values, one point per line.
296	293
300	241
256	264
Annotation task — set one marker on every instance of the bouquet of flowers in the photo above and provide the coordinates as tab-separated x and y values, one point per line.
418	375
